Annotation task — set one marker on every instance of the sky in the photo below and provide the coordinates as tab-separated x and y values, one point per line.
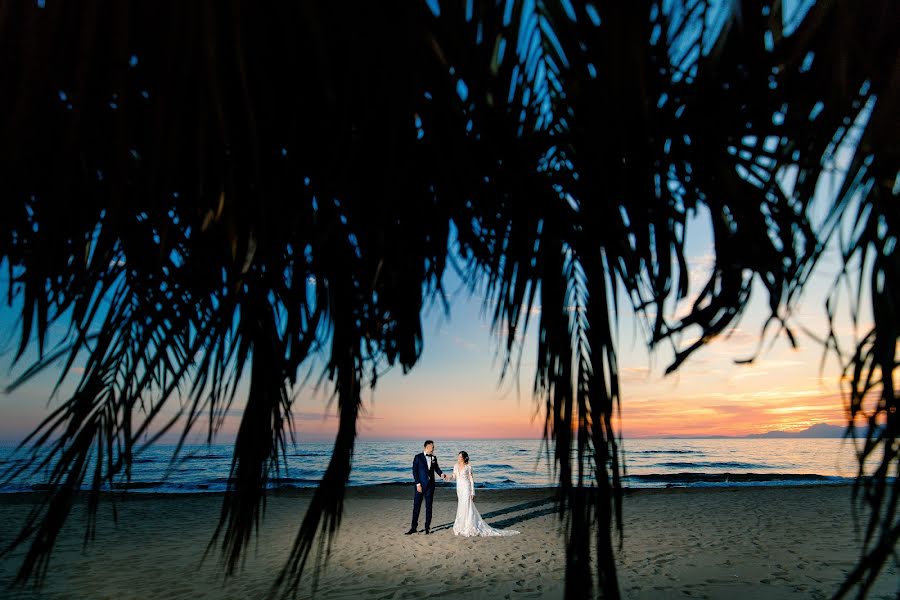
454	392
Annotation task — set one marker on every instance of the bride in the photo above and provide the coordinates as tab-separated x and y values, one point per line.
468	521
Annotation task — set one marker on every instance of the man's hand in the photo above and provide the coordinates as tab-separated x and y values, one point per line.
444	476
419	487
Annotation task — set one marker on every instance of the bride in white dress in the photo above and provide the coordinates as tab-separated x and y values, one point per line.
468	521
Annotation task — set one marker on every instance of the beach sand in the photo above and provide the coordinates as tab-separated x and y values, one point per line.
765	542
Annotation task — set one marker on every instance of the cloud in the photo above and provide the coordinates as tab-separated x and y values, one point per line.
501	332
701	265
750	374
809	408
462	343
782	364
535	309
458	341
634	374
312	416
734	409
739	336
776	394
723	413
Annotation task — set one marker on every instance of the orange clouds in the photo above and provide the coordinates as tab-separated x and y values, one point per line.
721	415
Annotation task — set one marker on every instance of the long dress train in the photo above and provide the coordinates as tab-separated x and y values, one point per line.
468	521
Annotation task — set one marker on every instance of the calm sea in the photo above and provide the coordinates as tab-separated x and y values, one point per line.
504	464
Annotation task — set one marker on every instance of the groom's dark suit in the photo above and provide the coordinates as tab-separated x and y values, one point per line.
424	476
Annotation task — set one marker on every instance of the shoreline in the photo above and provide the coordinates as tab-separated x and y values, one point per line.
737	481
737	542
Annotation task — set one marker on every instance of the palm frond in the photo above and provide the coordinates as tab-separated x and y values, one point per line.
210	192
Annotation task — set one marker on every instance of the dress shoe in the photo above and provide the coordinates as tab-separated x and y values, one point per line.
427	531
411	531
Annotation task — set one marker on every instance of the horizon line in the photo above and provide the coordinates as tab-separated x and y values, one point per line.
9	442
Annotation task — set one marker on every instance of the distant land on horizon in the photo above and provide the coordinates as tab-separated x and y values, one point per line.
820	430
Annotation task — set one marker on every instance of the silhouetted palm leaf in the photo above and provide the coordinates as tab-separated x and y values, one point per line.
209	190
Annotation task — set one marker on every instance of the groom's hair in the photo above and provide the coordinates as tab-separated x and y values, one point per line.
427	442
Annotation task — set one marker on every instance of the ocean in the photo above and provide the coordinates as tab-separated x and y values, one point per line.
649	463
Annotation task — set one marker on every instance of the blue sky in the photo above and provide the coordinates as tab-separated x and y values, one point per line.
454	391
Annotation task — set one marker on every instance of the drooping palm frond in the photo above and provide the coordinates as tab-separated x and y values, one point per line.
204	217
651	111
871	367
209	191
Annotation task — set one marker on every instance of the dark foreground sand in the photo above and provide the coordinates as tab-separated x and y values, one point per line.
790	542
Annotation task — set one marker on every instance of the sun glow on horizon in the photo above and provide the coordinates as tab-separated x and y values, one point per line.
453	391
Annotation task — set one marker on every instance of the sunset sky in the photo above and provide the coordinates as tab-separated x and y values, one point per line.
454	393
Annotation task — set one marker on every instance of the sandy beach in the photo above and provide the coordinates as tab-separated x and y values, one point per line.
771	542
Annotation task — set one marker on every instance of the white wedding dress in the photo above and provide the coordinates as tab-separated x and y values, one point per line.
468	521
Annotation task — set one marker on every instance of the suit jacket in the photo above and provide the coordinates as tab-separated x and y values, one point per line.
422	474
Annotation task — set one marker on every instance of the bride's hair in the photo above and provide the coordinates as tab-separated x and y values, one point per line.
465	456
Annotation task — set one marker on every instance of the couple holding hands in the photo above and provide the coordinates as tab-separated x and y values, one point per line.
468	520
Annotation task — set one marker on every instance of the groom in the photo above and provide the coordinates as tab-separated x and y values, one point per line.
425	465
